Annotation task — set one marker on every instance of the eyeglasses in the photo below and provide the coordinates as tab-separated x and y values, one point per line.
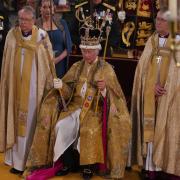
88	51
26	20
161	19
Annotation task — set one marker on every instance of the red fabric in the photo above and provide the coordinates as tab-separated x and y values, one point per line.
45	173
103	167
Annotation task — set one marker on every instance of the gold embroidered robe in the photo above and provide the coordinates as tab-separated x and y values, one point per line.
8	121
165	154
119	126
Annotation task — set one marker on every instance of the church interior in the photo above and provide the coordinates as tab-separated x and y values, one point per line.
135	24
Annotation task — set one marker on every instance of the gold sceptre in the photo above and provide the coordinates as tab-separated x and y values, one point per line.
108	29
60	92
51	62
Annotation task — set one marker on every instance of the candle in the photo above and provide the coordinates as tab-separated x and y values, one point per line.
173	8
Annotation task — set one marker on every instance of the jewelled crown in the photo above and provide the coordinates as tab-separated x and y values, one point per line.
90	37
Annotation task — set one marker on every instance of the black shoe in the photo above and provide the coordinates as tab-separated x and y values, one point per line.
63	171
144	175
15	171
87	174
128	168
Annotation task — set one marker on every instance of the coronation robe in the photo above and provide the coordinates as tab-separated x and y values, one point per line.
161	128
80	91
25	78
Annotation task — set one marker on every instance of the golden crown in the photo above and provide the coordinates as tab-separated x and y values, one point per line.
90	36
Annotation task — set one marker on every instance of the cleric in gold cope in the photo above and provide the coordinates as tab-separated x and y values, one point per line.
26	77
98	10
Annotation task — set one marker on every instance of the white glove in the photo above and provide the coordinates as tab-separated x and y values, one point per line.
57	83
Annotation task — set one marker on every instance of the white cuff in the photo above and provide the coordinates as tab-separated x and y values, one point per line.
57	83
104	92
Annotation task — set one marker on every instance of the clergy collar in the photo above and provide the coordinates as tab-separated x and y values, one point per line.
163	36
26	34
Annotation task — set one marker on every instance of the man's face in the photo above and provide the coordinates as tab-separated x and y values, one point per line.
96	1
89	55
26	20
161	24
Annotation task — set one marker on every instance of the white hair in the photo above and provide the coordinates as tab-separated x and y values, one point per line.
98	46
28	9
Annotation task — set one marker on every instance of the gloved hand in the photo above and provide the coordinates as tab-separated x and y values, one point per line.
57	83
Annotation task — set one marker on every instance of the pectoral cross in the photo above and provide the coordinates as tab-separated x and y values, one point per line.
159	59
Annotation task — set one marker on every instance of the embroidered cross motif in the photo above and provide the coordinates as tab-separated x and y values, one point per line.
159	59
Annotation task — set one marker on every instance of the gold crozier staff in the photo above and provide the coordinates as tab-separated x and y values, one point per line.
108	29
51	61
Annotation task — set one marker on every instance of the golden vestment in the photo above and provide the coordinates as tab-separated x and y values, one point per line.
91	150
9	86
162	128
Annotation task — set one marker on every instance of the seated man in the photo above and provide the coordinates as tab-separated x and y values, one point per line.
96	122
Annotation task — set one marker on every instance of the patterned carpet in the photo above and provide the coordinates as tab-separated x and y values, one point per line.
5	175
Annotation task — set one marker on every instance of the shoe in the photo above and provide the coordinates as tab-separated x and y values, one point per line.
144	175
15	171
87	174
63	171
152	175
128	168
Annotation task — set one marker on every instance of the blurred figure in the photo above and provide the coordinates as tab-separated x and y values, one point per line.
58	33
25	78
9	4
102	15
4	27
58	2
32	3
35	5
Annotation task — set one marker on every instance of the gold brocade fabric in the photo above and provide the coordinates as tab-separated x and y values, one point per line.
119	126
157	71
166	154
167	132
137	147
41	152
23	80
8	121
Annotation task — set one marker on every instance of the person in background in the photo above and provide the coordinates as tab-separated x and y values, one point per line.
8	4
155	107
35	5
97	10
32	3
58	33
26	77
4	28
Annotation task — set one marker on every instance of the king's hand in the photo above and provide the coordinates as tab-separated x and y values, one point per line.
57	83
